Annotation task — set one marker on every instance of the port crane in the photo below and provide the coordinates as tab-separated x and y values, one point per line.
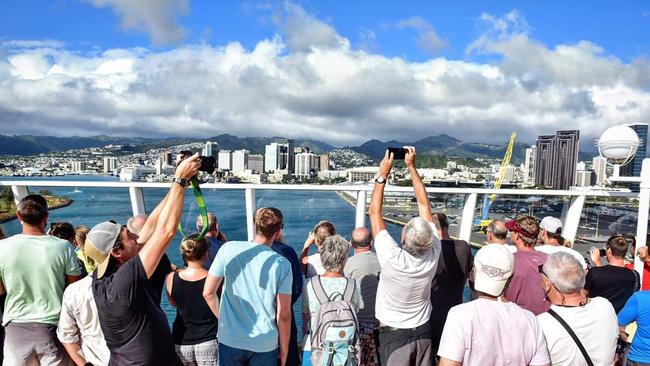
482	223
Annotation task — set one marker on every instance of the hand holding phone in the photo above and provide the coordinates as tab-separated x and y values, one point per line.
399	153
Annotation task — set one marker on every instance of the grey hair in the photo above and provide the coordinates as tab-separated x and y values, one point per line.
565	272
334	253
498	228
417	237
133	225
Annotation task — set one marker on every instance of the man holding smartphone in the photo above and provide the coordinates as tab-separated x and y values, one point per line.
403	304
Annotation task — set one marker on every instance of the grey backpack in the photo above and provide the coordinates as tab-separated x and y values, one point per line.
335	336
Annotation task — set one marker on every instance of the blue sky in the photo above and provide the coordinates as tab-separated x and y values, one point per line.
340	70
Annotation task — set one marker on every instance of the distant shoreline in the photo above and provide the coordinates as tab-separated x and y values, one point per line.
65	202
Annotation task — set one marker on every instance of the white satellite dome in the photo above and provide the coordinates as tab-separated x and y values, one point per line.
618	144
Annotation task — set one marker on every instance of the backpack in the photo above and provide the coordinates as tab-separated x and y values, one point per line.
335	336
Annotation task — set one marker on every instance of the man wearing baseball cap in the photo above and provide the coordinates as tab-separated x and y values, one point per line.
134	326
550	234
524	288
492	330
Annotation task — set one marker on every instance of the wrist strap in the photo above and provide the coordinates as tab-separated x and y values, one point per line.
573	335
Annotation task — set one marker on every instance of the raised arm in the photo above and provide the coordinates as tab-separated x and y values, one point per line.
377	198
150	225
424	208
169	218
304	254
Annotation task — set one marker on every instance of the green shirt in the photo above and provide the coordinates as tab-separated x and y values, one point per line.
33	270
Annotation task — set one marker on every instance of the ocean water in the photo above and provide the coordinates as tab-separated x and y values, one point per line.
302	210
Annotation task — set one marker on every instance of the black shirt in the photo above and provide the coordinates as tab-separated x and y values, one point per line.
195	323
454	265
614	283
134	326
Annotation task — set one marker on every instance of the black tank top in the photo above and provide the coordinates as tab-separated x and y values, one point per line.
194	322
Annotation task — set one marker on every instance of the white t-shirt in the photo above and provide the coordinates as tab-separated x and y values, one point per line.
485	332
314	266
596	326
404	290
550	249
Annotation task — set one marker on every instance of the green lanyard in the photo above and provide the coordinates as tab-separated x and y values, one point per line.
200	202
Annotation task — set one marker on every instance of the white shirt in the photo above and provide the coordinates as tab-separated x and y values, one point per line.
404	290
314	266
550	249
596	326
79	322
487	332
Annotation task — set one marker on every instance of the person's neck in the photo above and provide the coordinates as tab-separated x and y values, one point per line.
359	250
617	262
499	241
501	298
524	248
553	243
259	239
444	235
332	274
570	300
212	234
32	230
195	265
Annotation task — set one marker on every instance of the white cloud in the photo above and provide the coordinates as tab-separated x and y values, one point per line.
158	18
428	39
323	90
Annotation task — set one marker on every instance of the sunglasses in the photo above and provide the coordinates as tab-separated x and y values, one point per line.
540	268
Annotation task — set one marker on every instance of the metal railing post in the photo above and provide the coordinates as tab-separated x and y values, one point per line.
19	192
468	217
642	219
360	218
572	219
249	193
137	201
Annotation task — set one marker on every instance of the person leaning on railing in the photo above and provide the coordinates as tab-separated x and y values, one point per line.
403	304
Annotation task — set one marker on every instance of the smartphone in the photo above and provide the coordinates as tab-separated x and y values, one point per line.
602	252
399	153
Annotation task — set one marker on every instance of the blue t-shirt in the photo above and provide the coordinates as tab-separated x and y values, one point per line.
253	275
637	309
290	254
214	245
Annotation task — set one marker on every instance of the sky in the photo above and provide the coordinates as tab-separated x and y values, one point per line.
342	72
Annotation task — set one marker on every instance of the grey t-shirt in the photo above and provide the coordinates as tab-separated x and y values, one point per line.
364	268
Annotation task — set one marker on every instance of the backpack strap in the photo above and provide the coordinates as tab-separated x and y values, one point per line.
349	290
573	335
319	291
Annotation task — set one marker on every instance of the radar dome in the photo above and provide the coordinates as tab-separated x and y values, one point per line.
618	144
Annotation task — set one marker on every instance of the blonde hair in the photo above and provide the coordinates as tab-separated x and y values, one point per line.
193	249
80	233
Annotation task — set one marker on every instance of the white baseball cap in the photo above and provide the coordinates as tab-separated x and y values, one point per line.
494	266
551	224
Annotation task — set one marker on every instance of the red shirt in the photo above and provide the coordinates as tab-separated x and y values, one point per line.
646	274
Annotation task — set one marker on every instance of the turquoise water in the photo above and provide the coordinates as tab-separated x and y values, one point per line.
301	209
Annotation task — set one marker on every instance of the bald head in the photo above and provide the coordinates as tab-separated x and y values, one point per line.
136	223
497	232
361	238
213	224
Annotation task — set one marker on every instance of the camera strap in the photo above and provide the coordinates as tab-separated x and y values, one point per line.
200	202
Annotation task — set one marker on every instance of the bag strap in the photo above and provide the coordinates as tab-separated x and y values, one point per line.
319	291
573	335
349	290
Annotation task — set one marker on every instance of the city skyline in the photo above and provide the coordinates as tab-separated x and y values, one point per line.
302	69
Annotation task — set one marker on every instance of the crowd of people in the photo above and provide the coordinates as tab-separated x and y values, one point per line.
91	296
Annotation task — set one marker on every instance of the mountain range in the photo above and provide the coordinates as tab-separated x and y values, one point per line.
441	145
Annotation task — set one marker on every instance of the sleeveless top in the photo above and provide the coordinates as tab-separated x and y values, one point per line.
195	323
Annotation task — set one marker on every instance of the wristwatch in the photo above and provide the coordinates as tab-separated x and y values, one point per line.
380	179
181	181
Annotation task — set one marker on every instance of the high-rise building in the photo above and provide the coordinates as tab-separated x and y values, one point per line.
556	159
166	158
210	149
240	160
225	160
581	165
110	164
280	156
529	165
78	166
633	168
585	178
256	163
306	165
324	162
599	165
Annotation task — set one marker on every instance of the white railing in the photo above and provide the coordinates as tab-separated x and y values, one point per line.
570	227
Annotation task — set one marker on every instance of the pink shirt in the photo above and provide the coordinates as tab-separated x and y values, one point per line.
525	288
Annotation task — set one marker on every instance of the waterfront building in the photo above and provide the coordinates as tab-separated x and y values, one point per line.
633	168
240	160
110	164
225	160
332	174
529	164
599	165
78	166
306	165
279	156
166	158
210	149
131	173
362	174
324	162
556	159
256	163
585	178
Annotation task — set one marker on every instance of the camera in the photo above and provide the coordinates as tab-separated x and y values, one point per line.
208	163
602	252
399	153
